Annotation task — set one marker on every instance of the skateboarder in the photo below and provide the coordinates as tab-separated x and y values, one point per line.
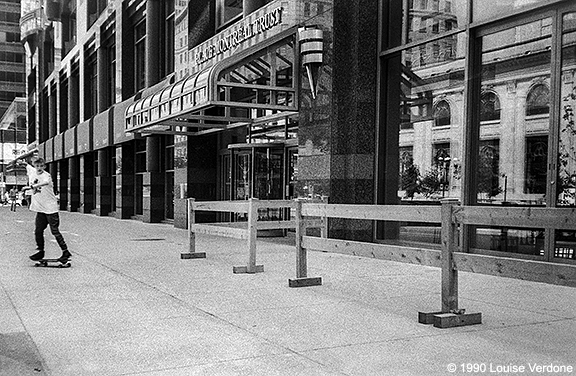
45	204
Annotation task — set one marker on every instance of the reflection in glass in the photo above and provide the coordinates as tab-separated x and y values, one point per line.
489	9
228	10
488	171
425	87
431	87
511	240
515	87
513	146
425	19
442	113
565	244
489	106
538	100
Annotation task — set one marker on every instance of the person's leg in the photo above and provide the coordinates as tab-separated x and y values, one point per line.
40	223
54	221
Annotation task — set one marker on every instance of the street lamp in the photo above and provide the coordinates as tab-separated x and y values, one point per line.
444	163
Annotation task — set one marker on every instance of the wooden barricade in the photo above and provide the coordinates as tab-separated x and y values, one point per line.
452	257
302	224
239	230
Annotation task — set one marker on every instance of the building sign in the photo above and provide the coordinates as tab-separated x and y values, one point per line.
240	33
11	151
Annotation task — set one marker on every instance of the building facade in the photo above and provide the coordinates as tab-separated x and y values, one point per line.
138	105
477	105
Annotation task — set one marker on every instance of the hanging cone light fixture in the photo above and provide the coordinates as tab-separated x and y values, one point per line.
311	48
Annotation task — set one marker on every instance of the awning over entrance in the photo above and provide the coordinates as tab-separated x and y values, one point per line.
223	96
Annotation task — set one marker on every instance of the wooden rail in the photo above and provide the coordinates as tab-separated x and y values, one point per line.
239	230
451	258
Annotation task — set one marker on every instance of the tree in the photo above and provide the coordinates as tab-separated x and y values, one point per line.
410	179
430	184
488	177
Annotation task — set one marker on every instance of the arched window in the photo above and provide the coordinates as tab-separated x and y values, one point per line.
442	114
538	100
489	107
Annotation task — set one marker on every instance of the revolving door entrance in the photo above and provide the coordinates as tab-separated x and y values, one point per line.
260	171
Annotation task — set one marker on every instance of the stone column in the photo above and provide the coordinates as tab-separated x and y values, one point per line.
153	22
195	172
102	90
73	184
73	99
336	134
86	183
153	179
51	113
125	180
103	189
63	183
153	182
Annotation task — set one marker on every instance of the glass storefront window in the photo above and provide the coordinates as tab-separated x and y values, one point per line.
511	168
489	9
520	99
515	79
430	102
425	19
424	132
228	10
565	244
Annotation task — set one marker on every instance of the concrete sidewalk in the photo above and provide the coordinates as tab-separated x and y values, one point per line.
130	306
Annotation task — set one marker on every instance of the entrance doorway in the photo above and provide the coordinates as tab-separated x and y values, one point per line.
265	171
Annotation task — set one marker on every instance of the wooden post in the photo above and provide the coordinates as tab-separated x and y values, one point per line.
252	233
191	254
301	262
449	273
324	228
191	221
450	316
251	267
302	279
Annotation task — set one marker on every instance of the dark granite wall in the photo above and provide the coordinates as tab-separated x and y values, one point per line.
337	129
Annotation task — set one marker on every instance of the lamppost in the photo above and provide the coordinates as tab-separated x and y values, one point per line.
444	163
505	186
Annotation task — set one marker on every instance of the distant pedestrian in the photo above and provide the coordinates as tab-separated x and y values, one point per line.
45	204
13	196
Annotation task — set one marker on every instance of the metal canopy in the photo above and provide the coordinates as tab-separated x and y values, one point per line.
256	89
190	107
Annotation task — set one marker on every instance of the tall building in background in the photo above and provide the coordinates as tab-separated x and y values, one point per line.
12	93
12	83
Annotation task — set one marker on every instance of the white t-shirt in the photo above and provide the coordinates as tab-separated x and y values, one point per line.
43	199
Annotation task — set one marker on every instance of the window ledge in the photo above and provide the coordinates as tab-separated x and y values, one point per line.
536	117
490	122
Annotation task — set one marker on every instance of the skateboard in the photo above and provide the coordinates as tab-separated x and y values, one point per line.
47	263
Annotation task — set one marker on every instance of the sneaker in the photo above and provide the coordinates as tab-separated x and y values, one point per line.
37	256
65	256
